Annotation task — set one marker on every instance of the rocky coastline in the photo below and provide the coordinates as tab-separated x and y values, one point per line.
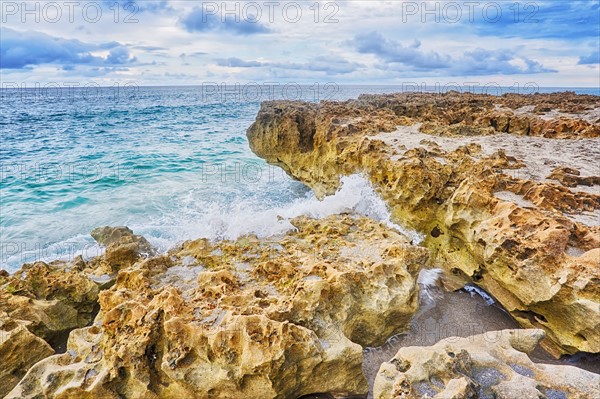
505	191
507	224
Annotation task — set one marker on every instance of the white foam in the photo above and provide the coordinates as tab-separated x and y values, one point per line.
474	290
213	221
14	254
195	217
429	280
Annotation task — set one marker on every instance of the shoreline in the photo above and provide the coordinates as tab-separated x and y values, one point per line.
320	293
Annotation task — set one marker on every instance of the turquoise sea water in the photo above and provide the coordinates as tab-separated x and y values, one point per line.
172	163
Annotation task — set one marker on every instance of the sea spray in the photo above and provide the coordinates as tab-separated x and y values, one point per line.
429	283
474	290
199	217
247	216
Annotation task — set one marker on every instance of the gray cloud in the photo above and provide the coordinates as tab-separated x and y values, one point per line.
394	52
393	55
198	21
591	59
20	50
234	62
329	65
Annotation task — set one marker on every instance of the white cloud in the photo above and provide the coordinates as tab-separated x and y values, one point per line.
310	50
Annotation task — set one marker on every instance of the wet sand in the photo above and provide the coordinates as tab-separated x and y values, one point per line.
445	314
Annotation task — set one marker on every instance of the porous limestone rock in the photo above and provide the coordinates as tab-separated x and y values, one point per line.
19	350
48	300
490	365
470	172
270	318
52	298
123	247
572	177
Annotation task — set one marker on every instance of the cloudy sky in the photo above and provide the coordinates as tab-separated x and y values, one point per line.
552	43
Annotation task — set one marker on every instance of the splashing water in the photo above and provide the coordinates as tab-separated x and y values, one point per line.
198	217
356	195
168	163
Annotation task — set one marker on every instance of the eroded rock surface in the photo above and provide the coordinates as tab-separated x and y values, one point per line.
43	302
52	299
19	350
275	318
123	247
478	175
491	365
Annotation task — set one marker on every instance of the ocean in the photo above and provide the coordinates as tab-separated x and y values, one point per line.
172	163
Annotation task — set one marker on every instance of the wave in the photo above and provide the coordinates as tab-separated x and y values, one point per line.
196	217
215	221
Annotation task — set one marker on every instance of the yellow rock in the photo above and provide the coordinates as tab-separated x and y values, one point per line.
464	170
19	350
276	318
494	364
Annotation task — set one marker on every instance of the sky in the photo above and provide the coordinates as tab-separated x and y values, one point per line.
550	43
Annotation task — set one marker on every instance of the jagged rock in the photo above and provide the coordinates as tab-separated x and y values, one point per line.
51	298
274	318
572	177
463	169
123	248
19	350
491	365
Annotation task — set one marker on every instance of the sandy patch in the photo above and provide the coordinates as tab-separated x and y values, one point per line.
540	155
512	197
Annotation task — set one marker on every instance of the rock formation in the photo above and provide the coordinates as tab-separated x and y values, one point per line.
41	303
52	299
491	365
473	173
274	318
123	248
19	350
504	188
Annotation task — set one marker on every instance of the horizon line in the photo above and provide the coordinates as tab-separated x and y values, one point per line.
436	84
